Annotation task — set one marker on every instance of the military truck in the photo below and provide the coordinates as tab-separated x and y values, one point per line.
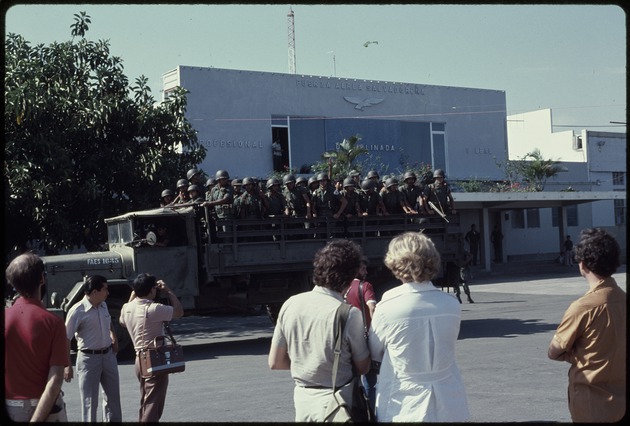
214	264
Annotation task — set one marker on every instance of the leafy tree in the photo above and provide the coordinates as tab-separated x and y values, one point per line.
78	147
341	161
531	169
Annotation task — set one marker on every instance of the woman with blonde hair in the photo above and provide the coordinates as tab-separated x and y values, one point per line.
413	333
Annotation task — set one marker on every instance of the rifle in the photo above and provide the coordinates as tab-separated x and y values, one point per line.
434	207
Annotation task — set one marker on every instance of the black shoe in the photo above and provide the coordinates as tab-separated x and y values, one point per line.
470	300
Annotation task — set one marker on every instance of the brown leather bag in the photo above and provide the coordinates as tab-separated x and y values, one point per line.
162	358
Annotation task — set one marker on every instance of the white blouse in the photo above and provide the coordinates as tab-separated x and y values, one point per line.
413	333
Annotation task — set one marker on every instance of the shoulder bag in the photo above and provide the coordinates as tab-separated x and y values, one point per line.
349	402
161	358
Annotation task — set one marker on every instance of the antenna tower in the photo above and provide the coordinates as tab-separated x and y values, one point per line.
291	28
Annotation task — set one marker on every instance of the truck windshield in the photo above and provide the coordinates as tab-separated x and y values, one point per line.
119	233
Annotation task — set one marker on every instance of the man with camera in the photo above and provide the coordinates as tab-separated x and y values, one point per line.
144	319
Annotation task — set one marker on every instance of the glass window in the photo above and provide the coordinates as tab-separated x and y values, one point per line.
619	178
437	127
439	154
572	216
518	219
533	218
112	234
126	234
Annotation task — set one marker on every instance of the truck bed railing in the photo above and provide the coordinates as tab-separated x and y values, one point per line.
295	240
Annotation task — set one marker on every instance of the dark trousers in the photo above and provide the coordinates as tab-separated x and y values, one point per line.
152	396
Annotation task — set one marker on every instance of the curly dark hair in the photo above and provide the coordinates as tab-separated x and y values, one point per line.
337	264
598	251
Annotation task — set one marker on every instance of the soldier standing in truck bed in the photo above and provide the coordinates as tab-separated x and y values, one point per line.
221	198
298	201
411	191
439	193
182	189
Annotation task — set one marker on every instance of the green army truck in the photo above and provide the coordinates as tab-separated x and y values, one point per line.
216	265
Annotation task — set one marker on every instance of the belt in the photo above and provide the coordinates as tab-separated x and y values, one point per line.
21	402
96	352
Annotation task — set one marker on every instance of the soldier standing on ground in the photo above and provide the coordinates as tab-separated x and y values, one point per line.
473	238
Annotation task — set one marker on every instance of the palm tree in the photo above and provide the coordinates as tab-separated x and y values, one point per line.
536	170
343	160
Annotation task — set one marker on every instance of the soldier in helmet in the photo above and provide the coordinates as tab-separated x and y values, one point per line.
275	200
439	194
249	205
393	199
312	185
298	201
194	193
411	192
166	198
356	178
195	177
301	182
371	201
327	202
237	186
210	183
353	207
182	189
221	197
374	177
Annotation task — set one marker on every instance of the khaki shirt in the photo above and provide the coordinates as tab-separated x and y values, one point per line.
144	319
593	333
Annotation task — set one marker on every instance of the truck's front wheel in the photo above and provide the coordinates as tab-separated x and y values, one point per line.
125	345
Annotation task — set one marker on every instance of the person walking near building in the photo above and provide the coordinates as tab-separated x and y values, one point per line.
35	347
473	238
592	335
413	333
568	251
89	321
144	320
361	295
303	340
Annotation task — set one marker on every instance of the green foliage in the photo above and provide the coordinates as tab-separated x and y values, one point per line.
528	173
78	148
342	160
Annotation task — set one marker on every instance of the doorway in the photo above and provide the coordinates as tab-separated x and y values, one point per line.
280	149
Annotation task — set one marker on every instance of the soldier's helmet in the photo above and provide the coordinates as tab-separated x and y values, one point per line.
237	182
194	188
391	182
348	182
166	193
190	173
322	176
211	182
301	179
182	183
438	173
409	175
367	184
288	179
222	174
353	173
372	174
248	181
311	180
272	181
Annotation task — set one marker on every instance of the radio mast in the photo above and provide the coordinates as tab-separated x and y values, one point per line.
291	28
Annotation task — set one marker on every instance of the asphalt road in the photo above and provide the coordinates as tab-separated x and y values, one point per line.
501	352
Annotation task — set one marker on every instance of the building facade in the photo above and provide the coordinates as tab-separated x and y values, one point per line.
240	116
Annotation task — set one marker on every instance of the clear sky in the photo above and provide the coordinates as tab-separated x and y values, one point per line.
570	58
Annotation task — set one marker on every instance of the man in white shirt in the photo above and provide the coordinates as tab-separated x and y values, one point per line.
89	321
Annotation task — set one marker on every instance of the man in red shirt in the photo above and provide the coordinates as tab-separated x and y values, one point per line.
368	298
36	350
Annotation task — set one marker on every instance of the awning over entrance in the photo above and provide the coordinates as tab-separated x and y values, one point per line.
486	201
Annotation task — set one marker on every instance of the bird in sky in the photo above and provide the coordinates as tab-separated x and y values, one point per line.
367	43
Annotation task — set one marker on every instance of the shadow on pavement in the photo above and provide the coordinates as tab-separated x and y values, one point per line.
502	327
256	346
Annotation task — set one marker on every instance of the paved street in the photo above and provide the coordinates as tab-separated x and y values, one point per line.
502	353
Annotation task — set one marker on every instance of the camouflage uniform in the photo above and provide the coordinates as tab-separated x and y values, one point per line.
439	195
392	200
223	211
